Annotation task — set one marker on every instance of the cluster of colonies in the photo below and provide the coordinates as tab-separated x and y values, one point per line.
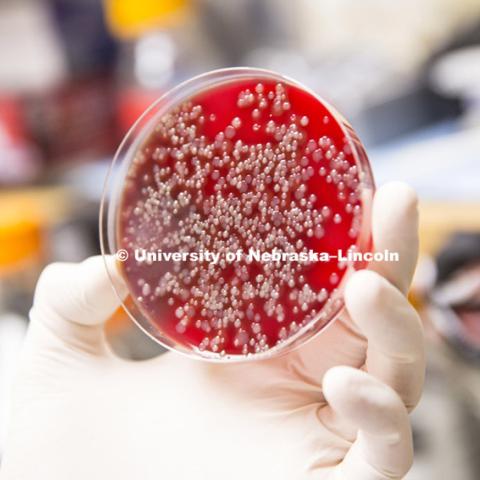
246	165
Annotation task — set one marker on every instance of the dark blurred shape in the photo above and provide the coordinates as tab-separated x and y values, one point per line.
87	43
74	122
405	113
455	299
454	71
461	250
466	37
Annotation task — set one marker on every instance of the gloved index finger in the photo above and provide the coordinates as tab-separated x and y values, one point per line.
395	230
395	351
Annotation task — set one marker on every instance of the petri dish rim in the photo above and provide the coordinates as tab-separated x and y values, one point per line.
141	130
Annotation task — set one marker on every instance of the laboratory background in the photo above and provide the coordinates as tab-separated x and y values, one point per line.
75	74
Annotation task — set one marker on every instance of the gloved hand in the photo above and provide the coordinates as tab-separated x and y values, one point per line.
335	408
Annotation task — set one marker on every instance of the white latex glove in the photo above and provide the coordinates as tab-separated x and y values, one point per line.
334	408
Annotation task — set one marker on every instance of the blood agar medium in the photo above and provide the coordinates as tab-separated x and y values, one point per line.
233	206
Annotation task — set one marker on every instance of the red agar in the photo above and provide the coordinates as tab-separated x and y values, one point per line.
250	166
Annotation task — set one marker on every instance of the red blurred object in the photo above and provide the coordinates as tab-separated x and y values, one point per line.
131	103
19	161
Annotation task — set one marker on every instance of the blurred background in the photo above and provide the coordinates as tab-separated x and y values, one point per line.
75	74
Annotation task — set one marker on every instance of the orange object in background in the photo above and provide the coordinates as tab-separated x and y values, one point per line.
131	18
20	233
25	217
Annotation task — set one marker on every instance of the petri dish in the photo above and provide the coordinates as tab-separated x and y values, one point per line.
237	206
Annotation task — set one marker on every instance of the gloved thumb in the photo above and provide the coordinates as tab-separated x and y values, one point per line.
72	302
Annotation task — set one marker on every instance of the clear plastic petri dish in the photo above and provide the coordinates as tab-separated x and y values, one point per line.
237	207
